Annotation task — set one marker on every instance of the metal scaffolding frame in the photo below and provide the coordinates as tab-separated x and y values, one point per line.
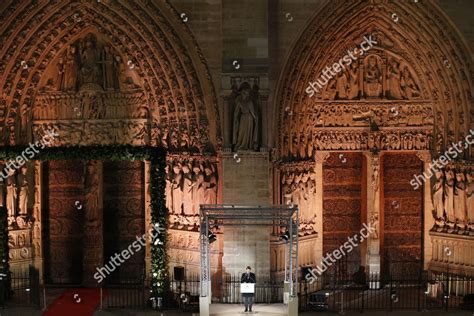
231	215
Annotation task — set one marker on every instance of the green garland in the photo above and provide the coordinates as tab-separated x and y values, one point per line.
159	213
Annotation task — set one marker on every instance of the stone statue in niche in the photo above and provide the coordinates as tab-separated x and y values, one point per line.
245	122
373	77
23	192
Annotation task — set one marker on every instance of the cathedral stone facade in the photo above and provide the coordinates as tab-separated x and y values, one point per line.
242	97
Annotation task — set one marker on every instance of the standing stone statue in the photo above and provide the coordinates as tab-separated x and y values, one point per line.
11	193
23	192
470	197
460	198
245	132
449	195
438	191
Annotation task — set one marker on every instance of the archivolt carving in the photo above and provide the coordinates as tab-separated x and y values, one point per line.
401	79
166	61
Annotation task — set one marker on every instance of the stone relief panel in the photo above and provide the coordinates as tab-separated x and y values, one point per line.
91	95
453	198
190	181
298	187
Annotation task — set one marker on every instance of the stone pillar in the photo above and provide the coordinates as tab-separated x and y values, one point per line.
147	189
38	260
93	249
425	156
246	181
320	157
373	186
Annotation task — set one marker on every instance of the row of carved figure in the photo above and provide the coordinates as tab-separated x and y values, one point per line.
298	187
14	191
453	197
334	114
305	145
189	183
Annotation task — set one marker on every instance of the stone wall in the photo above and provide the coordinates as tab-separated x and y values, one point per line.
246	182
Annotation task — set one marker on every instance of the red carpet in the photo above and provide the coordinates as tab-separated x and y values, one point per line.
75	302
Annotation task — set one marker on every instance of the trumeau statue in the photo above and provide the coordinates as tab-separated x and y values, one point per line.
246	120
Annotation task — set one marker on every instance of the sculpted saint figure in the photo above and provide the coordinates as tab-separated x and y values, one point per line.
470	197
11	193
89	59
460	197
373	78
393	77
245	136
23	194
449	195
438	192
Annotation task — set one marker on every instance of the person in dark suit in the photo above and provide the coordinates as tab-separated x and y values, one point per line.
248	277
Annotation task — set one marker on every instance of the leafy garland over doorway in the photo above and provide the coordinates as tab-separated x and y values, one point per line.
159	214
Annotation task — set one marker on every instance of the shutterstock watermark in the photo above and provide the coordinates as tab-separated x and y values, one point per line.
344	249
450	154
137	245
329	72
31	151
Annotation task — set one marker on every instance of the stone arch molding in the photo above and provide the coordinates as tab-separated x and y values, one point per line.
150	84
418	49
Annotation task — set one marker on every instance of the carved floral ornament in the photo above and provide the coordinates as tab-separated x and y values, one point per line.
145	58
410	78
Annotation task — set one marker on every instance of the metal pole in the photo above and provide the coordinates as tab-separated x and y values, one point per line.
101	299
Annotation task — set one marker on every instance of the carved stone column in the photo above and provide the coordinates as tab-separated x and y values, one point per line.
93	222
425	156
38	260
373	189
320	158
147	220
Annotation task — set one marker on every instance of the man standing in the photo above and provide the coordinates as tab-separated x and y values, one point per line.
248	277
